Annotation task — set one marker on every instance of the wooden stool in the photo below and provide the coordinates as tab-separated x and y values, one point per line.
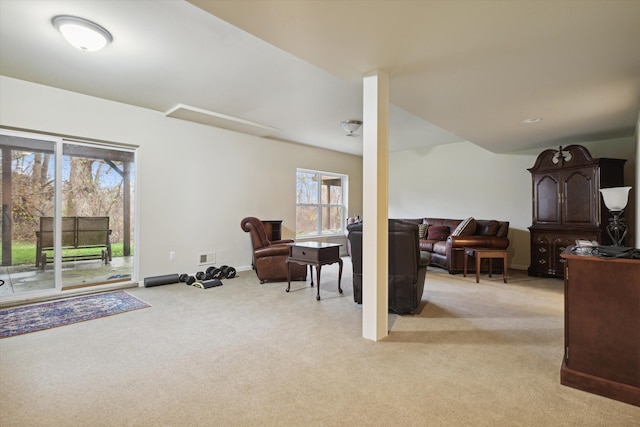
480	253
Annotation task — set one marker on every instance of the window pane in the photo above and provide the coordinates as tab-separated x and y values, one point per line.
306	220
331	190
331	220
306	188
98	195
319	203
28	184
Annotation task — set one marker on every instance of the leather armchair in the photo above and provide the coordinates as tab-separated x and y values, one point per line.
407	268
270	257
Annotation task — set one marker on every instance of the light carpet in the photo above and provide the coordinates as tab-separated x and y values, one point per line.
246	354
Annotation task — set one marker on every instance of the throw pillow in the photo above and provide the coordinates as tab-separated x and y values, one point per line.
465	228
354	219
422	231
438	232
489	229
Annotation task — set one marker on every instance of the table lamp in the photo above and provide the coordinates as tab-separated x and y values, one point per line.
615	199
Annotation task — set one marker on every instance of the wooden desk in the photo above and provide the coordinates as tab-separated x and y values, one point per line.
602	326
314	254
480	253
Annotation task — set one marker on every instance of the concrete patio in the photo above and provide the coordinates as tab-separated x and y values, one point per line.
27	278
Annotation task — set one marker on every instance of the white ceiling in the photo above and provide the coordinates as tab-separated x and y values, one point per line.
459	70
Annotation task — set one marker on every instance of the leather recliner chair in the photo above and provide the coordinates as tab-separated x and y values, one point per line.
407	268
270	257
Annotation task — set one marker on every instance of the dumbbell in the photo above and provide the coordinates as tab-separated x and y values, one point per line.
190	280
201	275
228	272
185	278
215	273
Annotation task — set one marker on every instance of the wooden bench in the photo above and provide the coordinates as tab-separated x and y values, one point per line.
78	232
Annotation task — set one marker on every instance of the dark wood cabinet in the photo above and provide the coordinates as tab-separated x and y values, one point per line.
567	204
602	323
273	229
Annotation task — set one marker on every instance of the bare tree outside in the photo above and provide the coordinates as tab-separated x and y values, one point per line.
94	181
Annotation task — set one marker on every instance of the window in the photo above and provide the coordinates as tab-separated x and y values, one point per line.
320	203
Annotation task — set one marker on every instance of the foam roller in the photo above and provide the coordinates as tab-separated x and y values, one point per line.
167	279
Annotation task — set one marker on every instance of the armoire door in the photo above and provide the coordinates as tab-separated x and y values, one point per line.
546	198
579	197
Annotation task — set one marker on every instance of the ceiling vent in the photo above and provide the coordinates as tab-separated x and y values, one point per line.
205	117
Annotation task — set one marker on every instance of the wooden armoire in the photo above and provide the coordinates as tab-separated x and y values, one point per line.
567	204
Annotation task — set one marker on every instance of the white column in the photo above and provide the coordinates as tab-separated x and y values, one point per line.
375	236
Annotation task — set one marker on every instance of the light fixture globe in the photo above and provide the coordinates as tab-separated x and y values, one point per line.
82	33
351	127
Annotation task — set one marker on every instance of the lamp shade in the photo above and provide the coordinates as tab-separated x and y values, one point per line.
615	198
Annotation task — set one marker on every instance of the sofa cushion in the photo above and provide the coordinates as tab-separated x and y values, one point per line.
466	228
440	248
438	232
503	229
490	228
422	230
427	245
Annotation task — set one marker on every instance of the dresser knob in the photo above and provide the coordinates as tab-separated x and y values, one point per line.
542	250
562	248
304	253
541	261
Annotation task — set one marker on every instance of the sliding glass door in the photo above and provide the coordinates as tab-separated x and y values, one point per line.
67	213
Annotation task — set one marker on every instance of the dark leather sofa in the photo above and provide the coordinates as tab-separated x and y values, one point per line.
407	268
447	251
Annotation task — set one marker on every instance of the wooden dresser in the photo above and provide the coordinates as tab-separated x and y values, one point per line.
602	326
567	204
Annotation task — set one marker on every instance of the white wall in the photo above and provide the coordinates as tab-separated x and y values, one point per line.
195	182
461	180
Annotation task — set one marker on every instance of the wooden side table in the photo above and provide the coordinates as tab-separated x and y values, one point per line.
480	253
314	254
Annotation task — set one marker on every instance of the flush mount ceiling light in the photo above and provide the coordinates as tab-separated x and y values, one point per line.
82	33
351	127
532	120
